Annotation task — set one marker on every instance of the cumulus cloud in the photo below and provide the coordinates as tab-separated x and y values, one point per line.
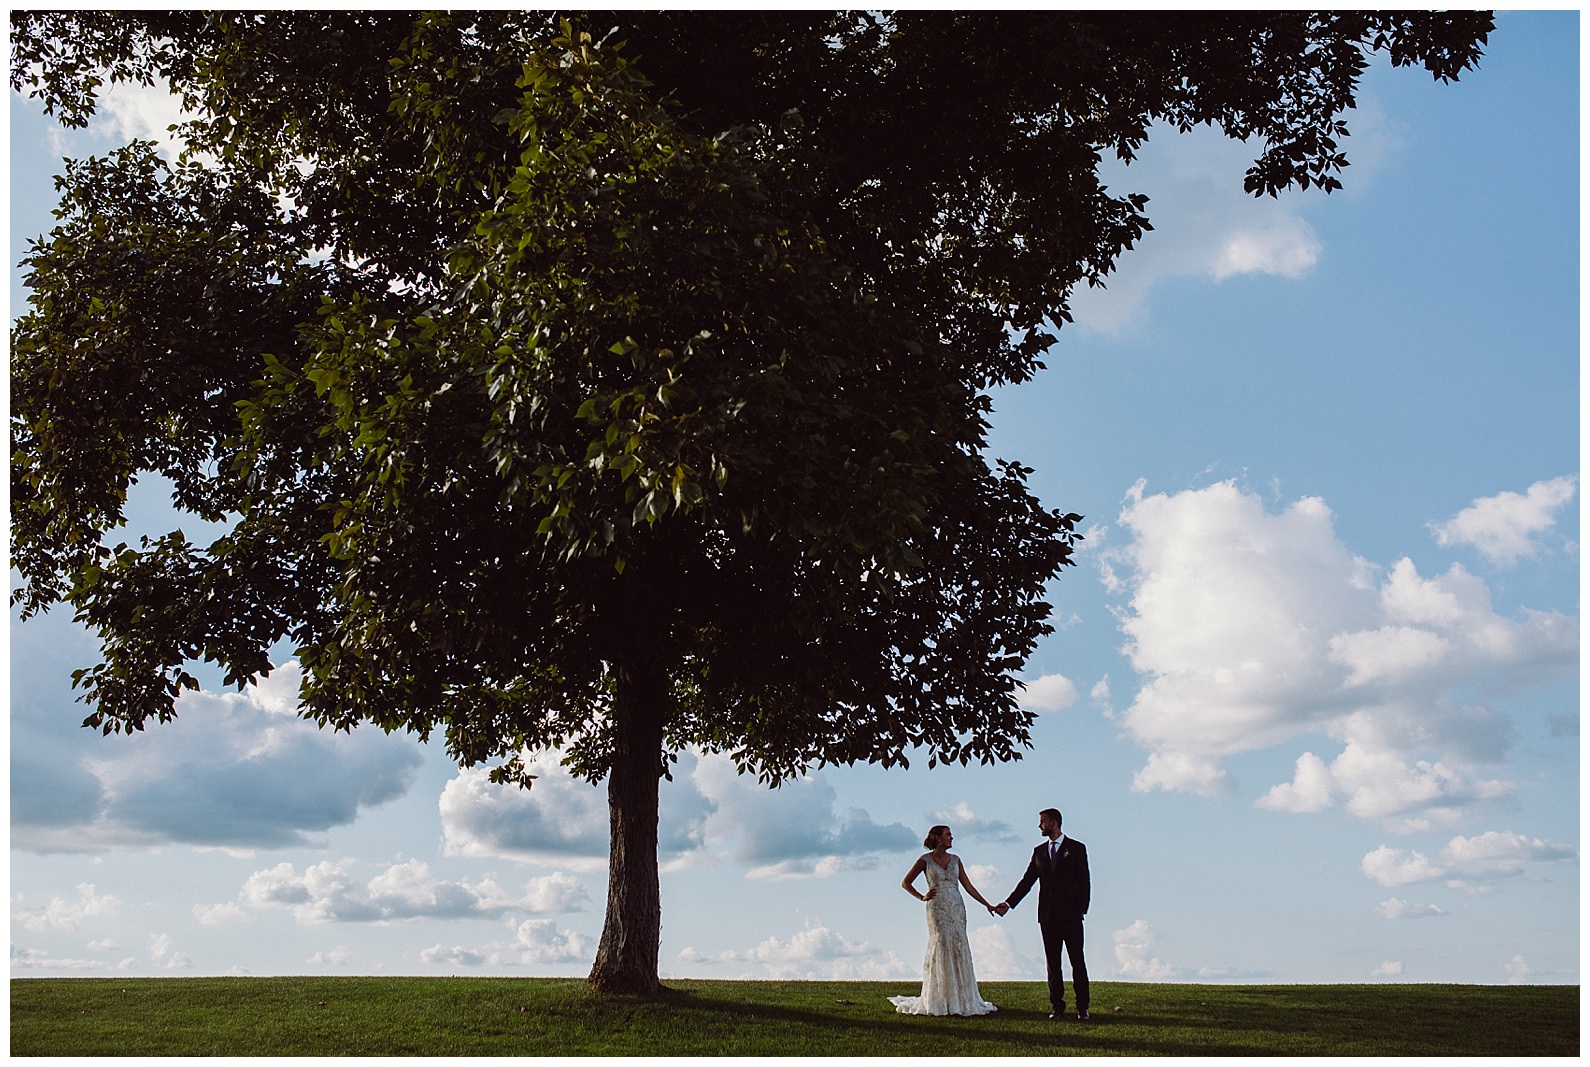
70	914
1395	908
234	770
796	830
37	959
1249	628
1509	526
807	868
561	819
129	111
534	942
968	824
1134	953
999	959
540	941
162	955
1388	969
1205	226
220	914
1373	782
813	953
707	811
328	892
1466	862
1052	692
1285	246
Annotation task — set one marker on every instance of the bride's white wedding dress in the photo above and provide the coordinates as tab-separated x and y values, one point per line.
948	985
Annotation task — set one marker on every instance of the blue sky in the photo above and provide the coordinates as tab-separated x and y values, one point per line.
1312	700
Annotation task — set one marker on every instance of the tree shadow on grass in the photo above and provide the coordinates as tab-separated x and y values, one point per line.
1012	1031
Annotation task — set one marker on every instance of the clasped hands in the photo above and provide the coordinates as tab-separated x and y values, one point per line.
999	909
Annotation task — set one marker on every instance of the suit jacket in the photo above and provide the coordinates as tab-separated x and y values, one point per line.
1063	884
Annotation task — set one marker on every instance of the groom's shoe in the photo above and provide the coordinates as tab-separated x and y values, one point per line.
1083	1016
1058	1013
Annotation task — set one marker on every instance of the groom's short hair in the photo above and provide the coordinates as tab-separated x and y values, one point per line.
1052	813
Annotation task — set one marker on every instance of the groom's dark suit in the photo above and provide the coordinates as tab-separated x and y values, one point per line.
1063	892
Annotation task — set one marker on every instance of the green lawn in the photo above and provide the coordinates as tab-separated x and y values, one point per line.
546	1017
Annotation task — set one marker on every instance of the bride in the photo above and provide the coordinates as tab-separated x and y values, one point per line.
948	985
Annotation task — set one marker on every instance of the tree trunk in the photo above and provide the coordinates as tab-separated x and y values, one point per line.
626	959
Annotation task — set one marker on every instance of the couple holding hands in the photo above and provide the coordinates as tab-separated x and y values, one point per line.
1060	867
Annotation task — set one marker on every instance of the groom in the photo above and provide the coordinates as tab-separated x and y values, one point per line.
1060	867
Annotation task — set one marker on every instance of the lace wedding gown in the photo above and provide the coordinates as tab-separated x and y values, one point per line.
948	985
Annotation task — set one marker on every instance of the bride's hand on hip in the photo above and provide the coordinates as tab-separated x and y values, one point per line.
930	894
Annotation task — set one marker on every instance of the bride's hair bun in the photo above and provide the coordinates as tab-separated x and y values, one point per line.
932	840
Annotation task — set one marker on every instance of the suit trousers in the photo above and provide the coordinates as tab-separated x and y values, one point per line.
1066	934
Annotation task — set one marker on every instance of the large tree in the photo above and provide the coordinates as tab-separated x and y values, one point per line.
605	383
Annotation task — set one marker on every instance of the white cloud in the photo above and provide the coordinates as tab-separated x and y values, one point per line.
1372	782
966	824
1517	970
560	819
1394	866
535	942
1388	969
127	111
1396	908
815	942
1287	247
554	894
341	956
708	810
1250	628
1466	862
538	941
456	955
70	914
1507	527
328	892
162	955
984	876
1387	653
794	830
219	914
37	959
824	867
1052	692
1309	790
814	953
1205	225
233	770
1134	953
1182	772
996	957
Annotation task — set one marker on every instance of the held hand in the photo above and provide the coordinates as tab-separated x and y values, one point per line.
1000	909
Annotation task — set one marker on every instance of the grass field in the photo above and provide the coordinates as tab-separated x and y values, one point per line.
558	1017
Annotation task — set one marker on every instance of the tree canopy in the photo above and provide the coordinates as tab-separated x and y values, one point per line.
607	383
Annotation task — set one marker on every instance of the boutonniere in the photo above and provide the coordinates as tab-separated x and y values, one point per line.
1065	853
